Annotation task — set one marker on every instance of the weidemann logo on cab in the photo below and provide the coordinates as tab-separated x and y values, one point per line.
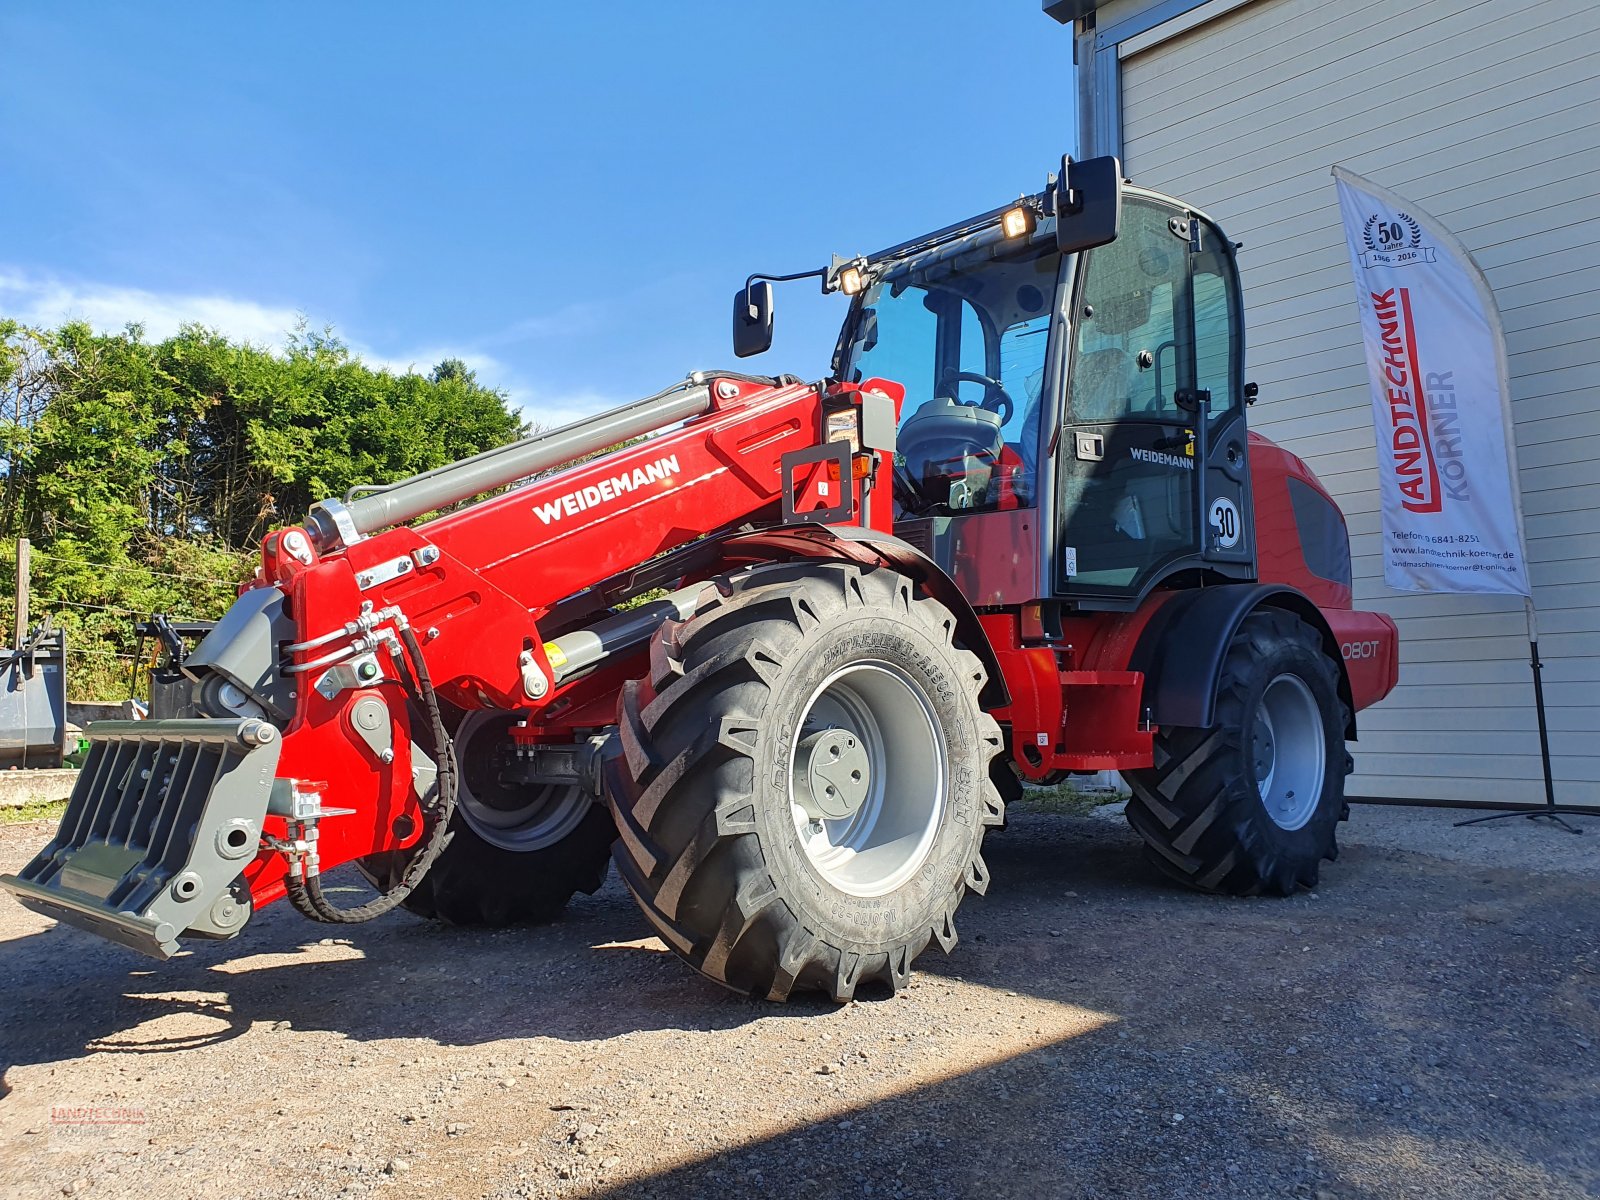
576	501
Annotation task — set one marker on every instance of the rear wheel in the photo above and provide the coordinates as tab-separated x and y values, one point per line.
804	781
1250	805
517	853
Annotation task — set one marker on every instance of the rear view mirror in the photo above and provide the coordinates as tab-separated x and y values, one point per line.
1088	203
752	319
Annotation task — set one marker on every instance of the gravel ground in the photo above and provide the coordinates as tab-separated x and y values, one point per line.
1426	1025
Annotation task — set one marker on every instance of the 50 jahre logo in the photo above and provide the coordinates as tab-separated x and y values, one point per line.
1393	240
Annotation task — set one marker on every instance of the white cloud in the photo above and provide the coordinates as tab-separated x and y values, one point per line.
419	362
552	410
545	407
40	300
49	301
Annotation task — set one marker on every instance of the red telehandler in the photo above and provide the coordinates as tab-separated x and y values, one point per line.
783	652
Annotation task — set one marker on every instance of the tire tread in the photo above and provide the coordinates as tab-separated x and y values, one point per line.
688	849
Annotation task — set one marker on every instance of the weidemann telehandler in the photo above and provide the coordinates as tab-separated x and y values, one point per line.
1020	532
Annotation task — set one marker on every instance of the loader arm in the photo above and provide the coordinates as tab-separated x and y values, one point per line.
310	744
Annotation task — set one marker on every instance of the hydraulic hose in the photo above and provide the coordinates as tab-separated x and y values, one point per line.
304	889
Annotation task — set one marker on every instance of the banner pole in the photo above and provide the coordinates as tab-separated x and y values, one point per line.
1538	702
1551	810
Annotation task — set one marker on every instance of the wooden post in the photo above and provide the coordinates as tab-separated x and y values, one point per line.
24	554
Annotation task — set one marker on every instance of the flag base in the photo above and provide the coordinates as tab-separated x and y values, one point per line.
1546	812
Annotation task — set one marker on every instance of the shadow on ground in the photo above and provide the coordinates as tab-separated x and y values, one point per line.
398	977
454	986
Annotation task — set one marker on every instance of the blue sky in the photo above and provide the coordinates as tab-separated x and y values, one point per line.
564	195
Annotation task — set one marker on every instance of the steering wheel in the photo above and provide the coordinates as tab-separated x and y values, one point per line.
995	397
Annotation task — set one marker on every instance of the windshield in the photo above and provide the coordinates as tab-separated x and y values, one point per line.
970	346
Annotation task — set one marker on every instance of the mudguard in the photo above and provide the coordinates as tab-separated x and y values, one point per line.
1181	650
871	548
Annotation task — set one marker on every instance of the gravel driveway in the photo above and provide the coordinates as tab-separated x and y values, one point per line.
1426	1025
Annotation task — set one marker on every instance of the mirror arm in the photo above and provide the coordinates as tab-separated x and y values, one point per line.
821	273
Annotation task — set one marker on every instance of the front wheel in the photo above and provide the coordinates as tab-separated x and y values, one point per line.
805	781
1250	805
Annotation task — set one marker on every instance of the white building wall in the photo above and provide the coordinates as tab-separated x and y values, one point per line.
1488	116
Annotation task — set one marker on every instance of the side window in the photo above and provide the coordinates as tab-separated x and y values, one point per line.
1129	338
1217	348
971	348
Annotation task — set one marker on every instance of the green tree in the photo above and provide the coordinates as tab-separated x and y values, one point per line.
146	473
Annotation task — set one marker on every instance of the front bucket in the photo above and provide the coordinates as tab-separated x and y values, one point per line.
163	819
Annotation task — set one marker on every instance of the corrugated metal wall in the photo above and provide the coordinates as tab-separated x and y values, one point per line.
1487	115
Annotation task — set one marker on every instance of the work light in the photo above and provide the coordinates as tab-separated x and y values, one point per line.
1017	222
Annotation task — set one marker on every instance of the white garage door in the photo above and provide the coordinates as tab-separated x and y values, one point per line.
1487	115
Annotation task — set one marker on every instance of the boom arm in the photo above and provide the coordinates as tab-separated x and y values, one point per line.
477	583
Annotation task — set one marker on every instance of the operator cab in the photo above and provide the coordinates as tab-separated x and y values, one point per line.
1074	390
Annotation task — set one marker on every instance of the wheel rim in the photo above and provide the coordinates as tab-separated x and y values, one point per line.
1288	752
517	817
868	835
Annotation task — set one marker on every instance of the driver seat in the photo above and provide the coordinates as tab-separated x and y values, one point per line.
949	450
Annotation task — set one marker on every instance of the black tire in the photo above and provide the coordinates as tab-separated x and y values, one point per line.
707	840
475	882
1200	809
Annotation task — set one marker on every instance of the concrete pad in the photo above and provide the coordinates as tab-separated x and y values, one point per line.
22	786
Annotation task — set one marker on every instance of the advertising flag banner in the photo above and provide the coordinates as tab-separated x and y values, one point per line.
1452	512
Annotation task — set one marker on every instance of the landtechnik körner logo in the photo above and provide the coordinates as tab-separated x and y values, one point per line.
1424	419
72	1124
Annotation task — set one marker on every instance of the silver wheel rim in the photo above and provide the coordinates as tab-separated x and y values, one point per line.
879	718
1288	752
541	817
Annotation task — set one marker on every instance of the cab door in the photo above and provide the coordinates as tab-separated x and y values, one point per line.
1150	466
